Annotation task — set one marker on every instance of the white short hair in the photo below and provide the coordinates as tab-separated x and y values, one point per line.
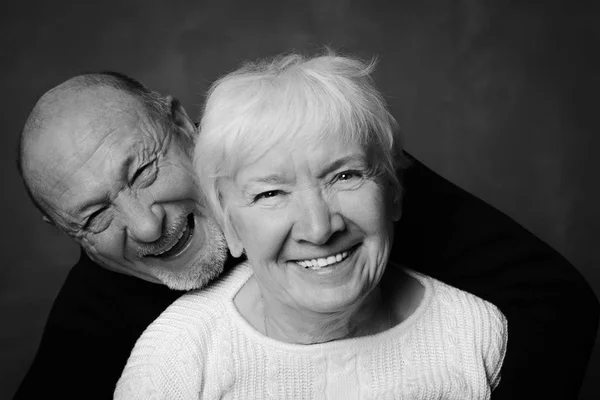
293	99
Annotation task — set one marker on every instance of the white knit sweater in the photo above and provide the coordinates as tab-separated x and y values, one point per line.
452	347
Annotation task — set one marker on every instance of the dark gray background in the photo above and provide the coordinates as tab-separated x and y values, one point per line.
500	97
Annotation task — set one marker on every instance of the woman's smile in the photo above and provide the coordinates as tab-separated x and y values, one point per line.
334	260
318	263
336	273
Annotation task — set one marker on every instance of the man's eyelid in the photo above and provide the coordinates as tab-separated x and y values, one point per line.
95	213
144	168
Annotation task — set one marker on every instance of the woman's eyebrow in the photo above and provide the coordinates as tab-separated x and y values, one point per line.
270	179
351	159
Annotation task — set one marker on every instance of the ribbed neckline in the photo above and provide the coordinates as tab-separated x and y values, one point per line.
242	273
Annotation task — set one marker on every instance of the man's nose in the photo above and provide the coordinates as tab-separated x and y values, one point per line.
316	219
143	221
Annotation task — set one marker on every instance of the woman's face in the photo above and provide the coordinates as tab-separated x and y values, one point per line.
316	226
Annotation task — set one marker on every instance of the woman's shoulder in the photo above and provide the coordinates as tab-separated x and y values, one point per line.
474	318
461	322
448	303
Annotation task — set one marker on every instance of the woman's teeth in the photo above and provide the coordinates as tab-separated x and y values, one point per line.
318	263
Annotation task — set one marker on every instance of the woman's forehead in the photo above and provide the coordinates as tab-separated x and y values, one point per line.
319	157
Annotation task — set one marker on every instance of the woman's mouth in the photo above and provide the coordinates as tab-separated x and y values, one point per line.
322	262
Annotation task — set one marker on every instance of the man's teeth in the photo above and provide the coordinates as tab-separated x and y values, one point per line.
174	242
318	263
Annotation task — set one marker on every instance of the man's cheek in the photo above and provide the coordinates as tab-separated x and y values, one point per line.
93	246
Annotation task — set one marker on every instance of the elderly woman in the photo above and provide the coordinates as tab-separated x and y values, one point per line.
299	160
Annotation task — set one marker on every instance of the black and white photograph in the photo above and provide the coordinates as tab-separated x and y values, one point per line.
284	199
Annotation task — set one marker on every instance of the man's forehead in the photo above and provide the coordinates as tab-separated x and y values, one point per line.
93	167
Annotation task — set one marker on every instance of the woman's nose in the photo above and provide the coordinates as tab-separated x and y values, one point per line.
317	221
143	222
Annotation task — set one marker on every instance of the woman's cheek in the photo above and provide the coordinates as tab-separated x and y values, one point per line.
265	235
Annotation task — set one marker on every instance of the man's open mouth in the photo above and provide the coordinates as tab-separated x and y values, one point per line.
180	242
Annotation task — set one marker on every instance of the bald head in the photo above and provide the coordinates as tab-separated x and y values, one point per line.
109	163
70	116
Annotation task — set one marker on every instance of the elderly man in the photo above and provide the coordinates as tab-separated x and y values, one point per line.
108	162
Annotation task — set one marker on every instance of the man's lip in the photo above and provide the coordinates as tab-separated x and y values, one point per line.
179	247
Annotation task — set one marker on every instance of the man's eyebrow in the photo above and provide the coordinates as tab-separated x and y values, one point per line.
123	175
89	203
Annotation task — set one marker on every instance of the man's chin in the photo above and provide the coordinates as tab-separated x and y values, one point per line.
207	267
192	280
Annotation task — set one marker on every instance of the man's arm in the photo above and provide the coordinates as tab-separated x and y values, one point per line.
73	364
94	323
552	312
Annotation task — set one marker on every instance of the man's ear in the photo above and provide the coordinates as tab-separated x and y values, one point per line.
233	241
180	117
48	220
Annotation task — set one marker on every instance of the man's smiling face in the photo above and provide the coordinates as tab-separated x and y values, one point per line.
122	185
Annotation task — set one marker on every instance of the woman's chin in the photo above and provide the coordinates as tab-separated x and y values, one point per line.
328	299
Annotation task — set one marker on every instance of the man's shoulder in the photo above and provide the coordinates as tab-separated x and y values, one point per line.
198	317
95	298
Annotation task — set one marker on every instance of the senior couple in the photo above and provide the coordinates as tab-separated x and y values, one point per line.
300	170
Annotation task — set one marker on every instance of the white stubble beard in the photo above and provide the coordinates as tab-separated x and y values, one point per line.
207	266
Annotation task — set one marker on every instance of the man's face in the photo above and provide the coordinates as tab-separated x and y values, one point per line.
126	193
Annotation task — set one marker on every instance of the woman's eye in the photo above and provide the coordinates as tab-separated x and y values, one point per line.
348	175
267	195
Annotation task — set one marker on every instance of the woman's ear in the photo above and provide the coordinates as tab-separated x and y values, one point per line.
233	241
396	211
180	117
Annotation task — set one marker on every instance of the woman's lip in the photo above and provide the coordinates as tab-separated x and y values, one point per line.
330	268
348	249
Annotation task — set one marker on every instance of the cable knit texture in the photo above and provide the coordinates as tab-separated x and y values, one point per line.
451	347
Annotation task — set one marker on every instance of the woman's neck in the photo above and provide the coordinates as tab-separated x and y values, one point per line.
372	315
391	302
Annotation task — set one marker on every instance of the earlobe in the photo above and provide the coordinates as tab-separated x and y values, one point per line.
397	214
48	220
397	209
233	241
180	118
